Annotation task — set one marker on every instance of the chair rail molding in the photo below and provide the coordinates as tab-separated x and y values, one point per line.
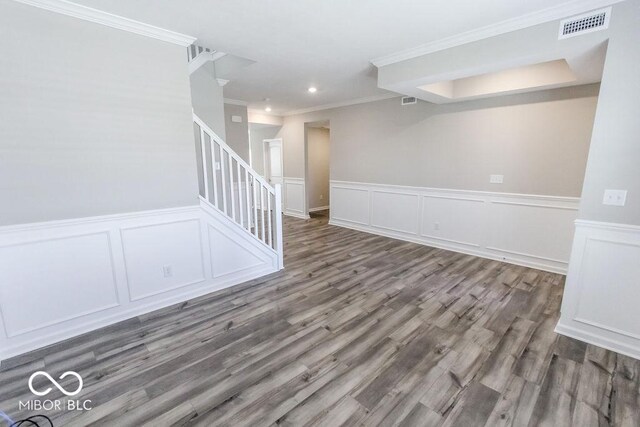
82	274
599	305
502	226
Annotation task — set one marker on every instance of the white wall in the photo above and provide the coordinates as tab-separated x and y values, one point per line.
318	153
95	120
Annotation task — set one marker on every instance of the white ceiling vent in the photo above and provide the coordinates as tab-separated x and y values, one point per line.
408	100
586	23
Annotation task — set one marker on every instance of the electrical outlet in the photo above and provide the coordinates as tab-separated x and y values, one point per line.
496	179
436	226
614	197
167	270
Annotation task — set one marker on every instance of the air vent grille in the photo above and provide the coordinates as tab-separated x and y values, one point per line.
587	23
408	100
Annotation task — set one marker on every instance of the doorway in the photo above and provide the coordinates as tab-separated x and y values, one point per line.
317	154
273	161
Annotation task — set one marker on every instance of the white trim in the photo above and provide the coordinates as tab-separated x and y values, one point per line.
110	20
288	209
222	82
462	228
321	208
602	309
203	58
446	245
73	317
408	189
608	226
539	17
342	104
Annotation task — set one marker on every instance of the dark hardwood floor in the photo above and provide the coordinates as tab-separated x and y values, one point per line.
357	330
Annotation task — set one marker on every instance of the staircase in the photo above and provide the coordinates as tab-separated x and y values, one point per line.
232	188
197	56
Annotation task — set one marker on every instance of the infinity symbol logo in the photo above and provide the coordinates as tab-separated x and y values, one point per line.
55	383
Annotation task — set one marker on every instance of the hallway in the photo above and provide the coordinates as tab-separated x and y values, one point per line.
357	330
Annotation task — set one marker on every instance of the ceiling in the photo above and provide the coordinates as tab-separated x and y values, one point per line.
323	43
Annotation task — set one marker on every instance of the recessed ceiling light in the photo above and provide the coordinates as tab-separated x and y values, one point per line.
312	89
267	109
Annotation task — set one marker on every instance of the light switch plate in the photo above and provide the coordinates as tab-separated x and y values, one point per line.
614	197
236	119
496	179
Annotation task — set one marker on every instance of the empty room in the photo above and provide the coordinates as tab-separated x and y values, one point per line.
319	212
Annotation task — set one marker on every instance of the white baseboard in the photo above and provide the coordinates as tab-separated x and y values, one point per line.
600	301
75	276
321	208
296	214
530	230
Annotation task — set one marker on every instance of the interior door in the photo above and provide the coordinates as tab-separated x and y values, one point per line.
273	168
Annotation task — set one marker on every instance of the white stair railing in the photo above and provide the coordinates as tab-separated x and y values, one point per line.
197	56
231	186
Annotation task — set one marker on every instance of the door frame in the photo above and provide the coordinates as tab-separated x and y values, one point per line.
266	159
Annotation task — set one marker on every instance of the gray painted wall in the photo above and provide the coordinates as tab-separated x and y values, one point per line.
318	153
257	136
539	141
94	120
237	134
208	99
614	157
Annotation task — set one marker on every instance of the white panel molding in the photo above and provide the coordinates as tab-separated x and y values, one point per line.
563	10
135	254
599	304
466	218
110	20
111	288
163	231
294	193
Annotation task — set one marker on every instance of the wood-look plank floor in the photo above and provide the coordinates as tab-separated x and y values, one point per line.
357	330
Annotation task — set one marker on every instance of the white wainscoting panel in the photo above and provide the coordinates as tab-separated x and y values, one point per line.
294	197
229	256
350	204
452	219
149	249
513	228
46	282
63	278
602	290
544	229
395	211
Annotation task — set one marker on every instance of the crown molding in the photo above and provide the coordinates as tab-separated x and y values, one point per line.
110	20
342	104
553	13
